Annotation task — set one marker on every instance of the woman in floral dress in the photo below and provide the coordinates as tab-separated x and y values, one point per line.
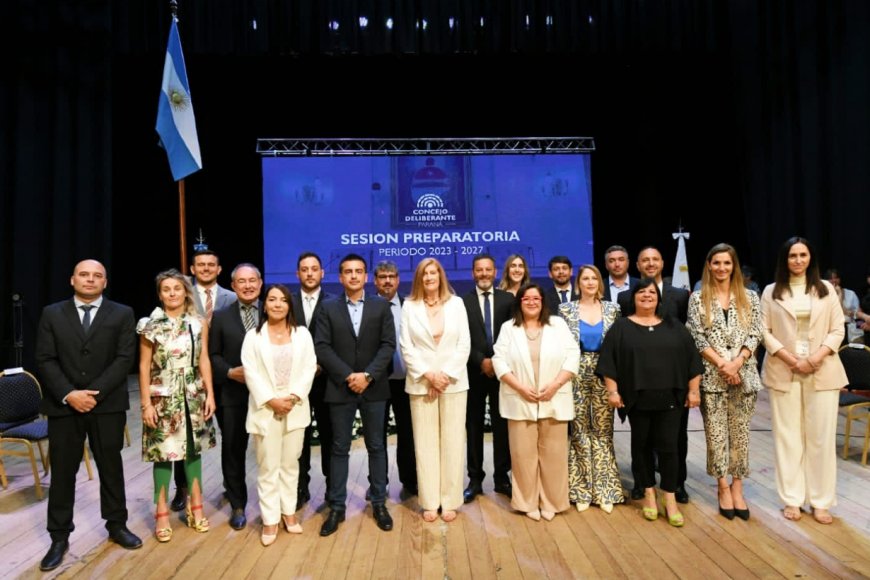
176	394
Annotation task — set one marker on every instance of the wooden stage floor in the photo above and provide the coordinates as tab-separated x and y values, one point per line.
488	540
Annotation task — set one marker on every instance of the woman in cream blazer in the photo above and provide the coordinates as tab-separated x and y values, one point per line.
435	344
803	328
535	359
279	363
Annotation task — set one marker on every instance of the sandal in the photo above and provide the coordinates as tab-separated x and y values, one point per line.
430	515
823	516
163	535
791	512
201	525
676	519
448	515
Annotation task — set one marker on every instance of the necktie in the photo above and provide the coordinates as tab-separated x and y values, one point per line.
248	317
209	304
309	310
86	319
487	319
564	294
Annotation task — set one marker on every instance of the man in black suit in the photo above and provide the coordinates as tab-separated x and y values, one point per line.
225	337
85	348
355	342
618	280
487	308
387	285
307	304
675	304
562	274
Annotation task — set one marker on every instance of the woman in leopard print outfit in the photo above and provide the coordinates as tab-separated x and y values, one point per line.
593	477
725	321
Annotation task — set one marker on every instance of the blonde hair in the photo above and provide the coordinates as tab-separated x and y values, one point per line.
445	290
708	286
173	274
505	283
599	294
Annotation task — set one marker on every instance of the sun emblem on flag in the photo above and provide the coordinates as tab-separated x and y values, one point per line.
178	99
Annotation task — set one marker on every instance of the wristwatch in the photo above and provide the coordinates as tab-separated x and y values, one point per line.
368	377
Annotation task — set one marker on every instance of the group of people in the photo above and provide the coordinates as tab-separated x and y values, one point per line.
552	363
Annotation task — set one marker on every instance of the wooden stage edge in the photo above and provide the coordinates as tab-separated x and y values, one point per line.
488	540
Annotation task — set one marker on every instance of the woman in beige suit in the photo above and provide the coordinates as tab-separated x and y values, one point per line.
535	359
435	344
803	328
279	363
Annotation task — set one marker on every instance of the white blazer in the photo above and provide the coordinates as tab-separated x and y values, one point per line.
260	378
420	352
559	352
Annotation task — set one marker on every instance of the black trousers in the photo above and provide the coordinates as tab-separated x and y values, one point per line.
234	447
320	412
66	438
655	434
480	388
406	459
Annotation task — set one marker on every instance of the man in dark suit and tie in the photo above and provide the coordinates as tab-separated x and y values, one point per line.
226	335
675	304
618	280
487	308
307	303
85	349
562	274
387	285
355	342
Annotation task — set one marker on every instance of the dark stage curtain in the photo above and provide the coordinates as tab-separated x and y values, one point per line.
747	122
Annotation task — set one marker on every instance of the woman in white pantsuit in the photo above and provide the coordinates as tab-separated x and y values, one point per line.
279	363
803	328
435	345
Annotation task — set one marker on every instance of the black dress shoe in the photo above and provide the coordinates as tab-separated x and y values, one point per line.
54	556
237	519
637	493
504	488
728	514
369	493
330	526
473	490
179	502
681	494
303	496
382	517
125	538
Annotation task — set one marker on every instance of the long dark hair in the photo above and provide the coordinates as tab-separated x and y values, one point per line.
543	317
290	318
781	279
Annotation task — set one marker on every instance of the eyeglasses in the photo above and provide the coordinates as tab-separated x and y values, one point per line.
530	299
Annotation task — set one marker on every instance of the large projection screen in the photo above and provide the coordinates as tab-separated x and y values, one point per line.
406	208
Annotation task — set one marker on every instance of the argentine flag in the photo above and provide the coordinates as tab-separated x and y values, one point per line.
175	122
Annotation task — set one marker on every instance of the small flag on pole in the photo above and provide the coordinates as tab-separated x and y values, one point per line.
175	123
680	278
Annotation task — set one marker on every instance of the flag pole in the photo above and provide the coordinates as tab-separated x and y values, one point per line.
182	225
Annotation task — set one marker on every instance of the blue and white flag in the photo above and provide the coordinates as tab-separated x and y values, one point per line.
175	123
680	278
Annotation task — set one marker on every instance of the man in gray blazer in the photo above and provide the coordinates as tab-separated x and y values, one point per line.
355	341
85	347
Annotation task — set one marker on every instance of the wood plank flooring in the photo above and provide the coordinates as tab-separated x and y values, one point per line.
488	540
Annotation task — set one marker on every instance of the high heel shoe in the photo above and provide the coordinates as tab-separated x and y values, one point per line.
606	507
201	525
727	513
535	515
268	539
548	515
582	506
291	529
650	513
675	520
163	535
742	514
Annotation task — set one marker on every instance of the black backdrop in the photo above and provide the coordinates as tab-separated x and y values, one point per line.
747	122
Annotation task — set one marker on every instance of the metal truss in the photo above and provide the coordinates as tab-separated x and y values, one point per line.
424	146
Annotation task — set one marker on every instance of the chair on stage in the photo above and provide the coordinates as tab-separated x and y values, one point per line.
855	397
21	423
